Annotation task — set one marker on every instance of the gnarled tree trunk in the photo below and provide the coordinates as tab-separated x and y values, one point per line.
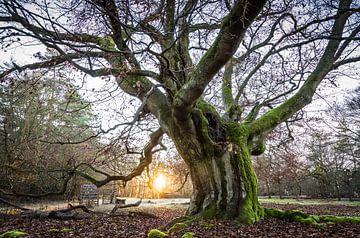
226	186
218	154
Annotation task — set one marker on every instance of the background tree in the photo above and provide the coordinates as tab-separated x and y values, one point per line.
333	150
38	114
333	169
349	127
349	141
281	169
171	54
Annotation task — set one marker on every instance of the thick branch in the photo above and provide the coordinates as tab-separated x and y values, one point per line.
304	96
226	86
169	20
232	32
110	9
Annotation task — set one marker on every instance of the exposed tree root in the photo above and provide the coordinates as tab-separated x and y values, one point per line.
318	220
175	225
182	223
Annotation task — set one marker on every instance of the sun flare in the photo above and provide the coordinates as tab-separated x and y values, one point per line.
160	182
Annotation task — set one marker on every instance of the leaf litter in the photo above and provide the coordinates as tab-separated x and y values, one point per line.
136	222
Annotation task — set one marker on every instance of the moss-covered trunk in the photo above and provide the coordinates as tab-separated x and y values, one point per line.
218	156
225	187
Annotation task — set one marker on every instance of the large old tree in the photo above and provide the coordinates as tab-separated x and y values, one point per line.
216	75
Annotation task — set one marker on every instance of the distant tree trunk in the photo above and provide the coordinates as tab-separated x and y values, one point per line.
138	190
337	189
267	184
299	190
279	189
131	190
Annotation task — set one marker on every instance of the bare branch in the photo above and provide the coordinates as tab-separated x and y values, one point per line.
155	139
61	191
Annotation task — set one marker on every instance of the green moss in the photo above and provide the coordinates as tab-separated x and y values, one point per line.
208	225
236	132
210	212
106	42
251	211
335	219
203	124
308	201
155	233
295	215
271	212
206	107
235	112
226	86
188	235
308	220
181	223
275	116
13	233
177	227
292	215
184	219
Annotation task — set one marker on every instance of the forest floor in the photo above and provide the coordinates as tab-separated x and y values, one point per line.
136	222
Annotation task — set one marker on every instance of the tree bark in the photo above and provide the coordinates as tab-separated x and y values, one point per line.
219	159
225	187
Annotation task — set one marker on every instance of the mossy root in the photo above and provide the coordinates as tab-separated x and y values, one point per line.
298	216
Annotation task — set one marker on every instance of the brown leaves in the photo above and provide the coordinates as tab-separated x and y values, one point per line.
137	222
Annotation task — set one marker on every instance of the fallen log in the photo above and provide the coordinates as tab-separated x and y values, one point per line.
120	206
65	213
14	205
72	208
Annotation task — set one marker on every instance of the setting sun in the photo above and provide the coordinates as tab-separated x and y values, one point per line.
160	182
